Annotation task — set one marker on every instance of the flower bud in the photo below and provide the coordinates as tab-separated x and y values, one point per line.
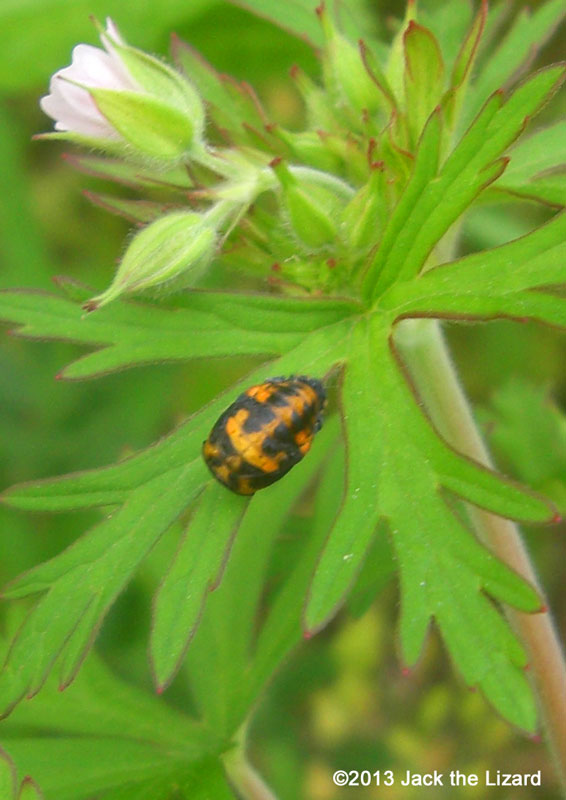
309	147
365	215
346	74
121	98
175	249
310	208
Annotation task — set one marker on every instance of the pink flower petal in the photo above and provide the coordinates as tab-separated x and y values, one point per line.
70	105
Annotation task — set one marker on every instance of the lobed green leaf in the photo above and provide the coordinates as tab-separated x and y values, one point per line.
226	676
402	471
100	713
493	276
282	627
210	324
357	519
416	227
83	582
194	572
442	573
528	33
424	76
316	355
385	264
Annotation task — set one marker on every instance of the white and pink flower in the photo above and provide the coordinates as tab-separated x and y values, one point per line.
120	97
69	102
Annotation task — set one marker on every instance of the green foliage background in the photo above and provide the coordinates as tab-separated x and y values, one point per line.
341	701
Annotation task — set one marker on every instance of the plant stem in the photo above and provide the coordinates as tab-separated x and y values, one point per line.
243	777
423	348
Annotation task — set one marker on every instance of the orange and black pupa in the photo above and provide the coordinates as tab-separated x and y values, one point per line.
265	432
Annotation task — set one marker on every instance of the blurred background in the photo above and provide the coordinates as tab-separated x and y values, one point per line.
341	701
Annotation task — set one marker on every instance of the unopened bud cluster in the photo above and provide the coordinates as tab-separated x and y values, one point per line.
335	182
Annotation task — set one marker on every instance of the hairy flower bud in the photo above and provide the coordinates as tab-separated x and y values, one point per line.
123	100
346	75
311	207
176	248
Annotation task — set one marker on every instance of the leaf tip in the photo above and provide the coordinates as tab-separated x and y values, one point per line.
411	26
66	682
406	671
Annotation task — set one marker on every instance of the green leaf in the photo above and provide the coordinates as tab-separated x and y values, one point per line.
415	227
113	740
297	16
210	324
100	765
135	176
377	570
232	106
400	476
85	580
100	704
357	518
29	790
137	211
548	189
424	76
468	49
401	471
316	355
395	69
527	34
463	65
493	277
394	239
449	21
535	453
226	675
542	151
7	777
282	627
195	570
442	570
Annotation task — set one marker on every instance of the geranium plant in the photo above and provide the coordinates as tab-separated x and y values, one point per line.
345	237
